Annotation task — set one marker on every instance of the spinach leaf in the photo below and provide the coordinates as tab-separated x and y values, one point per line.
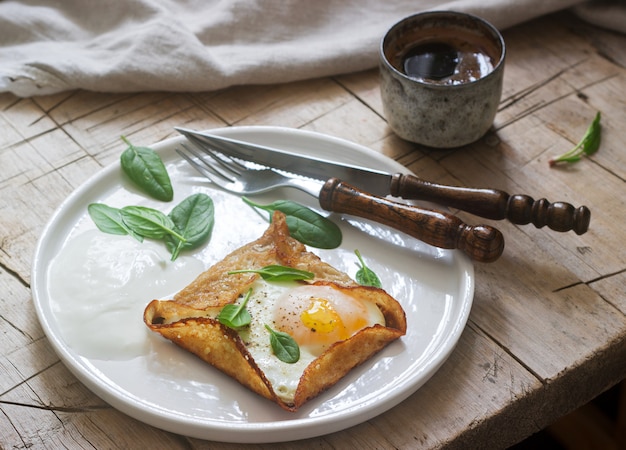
146	169
109	220
188	225
366	276
148	222
236	316
276	272
193	219
304	224
588	145
284	346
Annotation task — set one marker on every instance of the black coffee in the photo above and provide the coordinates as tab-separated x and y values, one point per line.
455	61
433	60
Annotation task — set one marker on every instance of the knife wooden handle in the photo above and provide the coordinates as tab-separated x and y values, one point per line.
481	243
495	204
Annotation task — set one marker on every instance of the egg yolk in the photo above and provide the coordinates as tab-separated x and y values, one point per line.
321	317
318	316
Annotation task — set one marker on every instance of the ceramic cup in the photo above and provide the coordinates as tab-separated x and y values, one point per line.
441	77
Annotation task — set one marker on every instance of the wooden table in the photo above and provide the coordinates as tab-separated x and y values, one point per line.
547	332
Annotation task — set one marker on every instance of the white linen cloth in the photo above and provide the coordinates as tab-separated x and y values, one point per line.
49	46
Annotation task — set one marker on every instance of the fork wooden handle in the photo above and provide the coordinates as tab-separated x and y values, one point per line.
495	204
481	243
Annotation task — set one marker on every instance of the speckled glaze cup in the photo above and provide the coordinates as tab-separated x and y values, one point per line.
442	112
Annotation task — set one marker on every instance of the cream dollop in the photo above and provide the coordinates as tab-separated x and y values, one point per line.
99	285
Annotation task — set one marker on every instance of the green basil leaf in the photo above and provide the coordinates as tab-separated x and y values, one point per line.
109	220
591	140
588	145
148	222
284	346
236	315
366	276
276	272
304	224
146	169
193	219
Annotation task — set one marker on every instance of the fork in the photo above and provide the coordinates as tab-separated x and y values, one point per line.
233	176
482	243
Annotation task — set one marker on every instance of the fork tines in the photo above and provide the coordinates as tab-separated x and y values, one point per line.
219	165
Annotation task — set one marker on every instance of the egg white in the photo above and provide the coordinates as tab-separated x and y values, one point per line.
284	377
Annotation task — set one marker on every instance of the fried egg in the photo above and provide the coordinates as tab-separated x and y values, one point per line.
315	316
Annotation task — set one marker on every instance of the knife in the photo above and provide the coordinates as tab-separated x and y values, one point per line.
481	243
487	203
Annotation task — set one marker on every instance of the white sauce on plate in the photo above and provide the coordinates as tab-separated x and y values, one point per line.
101	283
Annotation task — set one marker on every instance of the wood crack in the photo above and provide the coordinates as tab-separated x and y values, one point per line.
594	280
114	117
56	408
540	105
13	273
506	350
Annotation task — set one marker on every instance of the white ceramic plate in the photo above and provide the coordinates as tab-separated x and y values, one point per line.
166	387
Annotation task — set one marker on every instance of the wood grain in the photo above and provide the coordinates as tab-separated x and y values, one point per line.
547	331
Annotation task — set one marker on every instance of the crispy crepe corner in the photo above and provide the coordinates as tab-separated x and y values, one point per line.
189	321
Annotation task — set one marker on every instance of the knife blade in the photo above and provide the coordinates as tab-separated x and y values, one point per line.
487	203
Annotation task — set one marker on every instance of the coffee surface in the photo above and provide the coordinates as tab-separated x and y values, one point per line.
448	63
